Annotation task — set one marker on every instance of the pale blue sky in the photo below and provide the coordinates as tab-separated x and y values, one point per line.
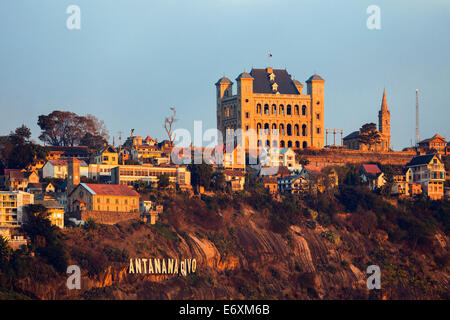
133	59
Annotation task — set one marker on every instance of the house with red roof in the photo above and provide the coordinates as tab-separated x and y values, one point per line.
103	197
372	174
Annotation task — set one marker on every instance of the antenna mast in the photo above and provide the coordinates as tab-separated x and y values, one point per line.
417	118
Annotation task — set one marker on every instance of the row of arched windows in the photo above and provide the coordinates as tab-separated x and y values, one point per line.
280	110
283	144
290	130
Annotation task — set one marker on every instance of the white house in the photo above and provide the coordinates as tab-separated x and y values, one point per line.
285	157
58	169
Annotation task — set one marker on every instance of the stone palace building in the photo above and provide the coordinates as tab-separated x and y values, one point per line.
272	104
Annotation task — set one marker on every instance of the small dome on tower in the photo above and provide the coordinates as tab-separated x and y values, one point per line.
223	80
315	77
244	75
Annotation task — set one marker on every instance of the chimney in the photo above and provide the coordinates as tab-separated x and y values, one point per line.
73	179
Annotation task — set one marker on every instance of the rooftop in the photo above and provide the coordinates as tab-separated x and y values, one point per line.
110	189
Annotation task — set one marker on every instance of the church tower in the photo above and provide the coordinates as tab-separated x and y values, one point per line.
384	123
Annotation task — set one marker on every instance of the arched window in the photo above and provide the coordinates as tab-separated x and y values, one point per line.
296	130
289	144
303	110
274	109
266	128
267	143
274	129
296	110
281	110
305	145
304	130
289	130
259	143
258	108
282	129
258	128
288	110
282	144
274	143
266	109
297	144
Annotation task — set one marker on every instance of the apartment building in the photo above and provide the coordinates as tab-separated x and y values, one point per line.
128	174
12	204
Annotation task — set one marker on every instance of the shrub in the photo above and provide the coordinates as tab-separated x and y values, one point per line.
165	231
331	236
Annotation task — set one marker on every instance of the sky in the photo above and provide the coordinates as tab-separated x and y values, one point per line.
134	59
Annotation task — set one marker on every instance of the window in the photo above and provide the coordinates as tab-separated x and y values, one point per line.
266	109
304	130
318	130
289	130
305	145
247	115
288	110
318	116
258	108
303	110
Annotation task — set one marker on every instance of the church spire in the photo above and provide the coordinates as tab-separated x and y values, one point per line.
384	106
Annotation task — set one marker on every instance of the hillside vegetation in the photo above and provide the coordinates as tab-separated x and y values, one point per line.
247	245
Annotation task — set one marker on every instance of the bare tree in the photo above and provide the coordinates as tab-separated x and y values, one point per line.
168	125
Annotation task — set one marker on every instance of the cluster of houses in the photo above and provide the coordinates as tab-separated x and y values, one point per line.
77	182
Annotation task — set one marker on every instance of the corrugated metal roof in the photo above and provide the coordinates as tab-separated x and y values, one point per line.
110	189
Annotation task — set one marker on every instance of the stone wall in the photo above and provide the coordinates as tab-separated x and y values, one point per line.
104	217
324	158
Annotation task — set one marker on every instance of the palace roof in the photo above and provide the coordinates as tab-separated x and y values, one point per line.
263	84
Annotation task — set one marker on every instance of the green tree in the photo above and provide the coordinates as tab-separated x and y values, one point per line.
352	176
219	181
369	135
18	152
163	181
93	141
201	174
386	189
140	185
46	238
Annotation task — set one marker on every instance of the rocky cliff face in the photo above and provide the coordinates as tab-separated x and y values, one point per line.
241	257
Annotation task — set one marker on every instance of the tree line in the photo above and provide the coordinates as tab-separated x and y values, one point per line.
58	128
